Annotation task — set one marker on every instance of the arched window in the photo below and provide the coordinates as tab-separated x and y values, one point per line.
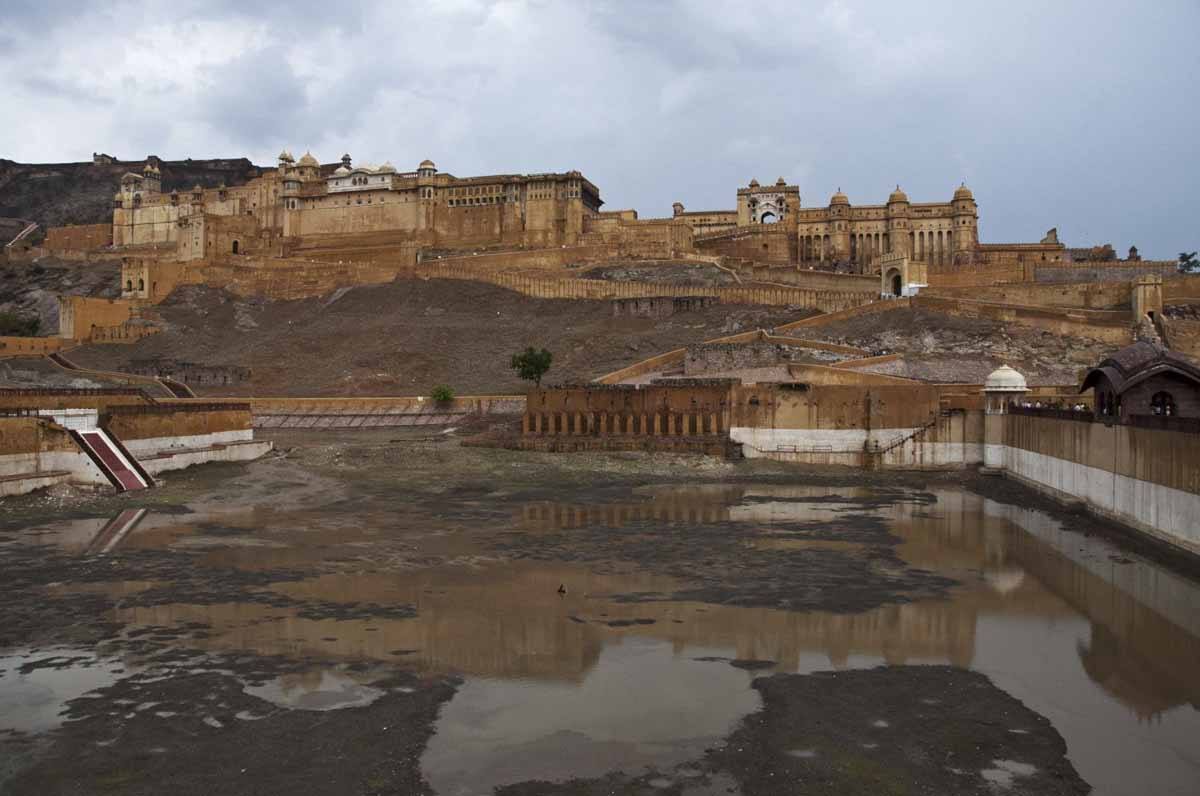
129	285
235	247
141	284
1162	403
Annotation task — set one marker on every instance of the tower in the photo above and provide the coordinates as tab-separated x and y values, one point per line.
966	222
839	227
898	224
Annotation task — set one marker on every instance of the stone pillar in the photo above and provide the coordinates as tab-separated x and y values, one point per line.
525	424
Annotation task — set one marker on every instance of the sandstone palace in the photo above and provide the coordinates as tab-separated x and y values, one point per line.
303	210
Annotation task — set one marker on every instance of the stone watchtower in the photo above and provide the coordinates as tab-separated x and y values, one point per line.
966	222
839	226
898	223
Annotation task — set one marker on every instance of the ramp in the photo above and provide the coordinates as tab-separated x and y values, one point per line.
110	456
115	531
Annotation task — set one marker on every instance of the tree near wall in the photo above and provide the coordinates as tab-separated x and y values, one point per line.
532	364
1188	262
442	394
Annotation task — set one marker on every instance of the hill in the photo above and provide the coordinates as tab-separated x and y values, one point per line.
54	194
405	337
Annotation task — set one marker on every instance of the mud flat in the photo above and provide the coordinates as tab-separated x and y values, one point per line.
391	612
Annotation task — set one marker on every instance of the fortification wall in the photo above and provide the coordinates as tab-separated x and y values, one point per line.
883	305
30	346
978	274
764	244
1180	287
80	316
1114	328
15	398
1114	271
793	275
77	238
1082	295
550	287
1182	336
286	279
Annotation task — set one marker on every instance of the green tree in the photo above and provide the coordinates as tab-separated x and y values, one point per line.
1188	262
442	394
532	364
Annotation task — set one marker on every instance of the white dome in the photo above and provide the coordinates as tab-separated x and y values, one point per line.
341	170
1005	379
386	168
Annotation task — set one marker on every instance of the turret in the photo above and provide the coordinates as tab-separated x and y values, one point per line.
677	209
966	220
898	223
151	179
839	226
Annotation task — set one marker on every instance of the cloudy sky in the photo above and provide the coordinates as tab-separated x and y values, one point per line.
1080	115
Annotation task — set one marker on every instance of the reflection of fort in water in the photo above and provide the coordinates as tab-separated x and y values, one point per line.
505	620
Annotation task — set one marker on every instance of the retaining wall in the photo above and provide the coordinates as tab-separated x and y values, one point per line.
1145	478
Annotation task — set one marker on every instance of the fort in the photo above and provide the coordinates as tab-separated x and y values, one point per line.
304	230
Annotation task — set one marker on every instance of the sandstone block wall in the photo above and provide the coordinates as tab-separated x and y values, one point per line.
176	420
30	346
1114	328
80	316
1081	295
77	238
763	244
1115	271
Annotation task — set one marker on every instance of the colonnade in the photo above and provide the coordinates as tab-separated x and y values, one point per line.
658	424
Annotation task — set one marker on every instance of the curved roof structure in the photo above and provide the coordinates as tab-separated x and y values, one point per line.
1005	379
1136	363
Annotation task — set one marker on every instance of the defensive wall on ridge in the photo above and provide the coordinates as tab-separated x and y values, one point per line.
77	238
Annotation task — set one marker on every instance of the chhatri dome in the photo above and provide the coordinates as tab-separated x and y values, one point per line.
898	196
1005	379
963	192
839	198
308	160
427	164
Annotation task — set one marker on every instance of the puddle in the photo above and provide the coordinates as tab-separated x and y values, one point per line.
326	691
642	705
35	686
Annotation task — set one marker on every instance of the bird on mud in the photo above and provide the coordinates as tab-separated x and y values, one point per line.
562	589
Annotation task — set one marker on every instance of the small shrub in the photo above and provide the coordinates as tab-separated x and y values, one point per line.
442	394
532	364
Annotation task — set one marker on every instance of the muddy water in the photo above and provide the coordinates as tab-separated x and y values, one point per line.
600	630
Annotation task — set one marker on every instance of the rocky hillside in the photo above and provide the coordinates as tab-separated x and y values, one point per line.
29	290
53	194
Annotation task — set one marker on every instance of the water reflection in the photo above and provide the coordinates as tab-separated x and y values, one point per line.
1102	642
35	685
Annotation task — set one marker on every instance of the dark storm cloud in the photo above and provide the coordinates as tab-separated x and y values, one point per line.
1075	115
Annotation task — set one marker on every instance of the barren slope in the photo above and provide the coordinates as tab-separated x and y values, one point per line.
405	337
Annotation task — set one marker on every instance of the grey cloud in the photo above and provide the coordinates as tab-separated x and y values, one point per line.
1076	115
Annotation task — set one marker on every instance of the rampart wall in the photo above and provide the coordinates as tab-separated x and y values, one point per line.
77	238
30	346
1115	271
1114	328
763	244
550	287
